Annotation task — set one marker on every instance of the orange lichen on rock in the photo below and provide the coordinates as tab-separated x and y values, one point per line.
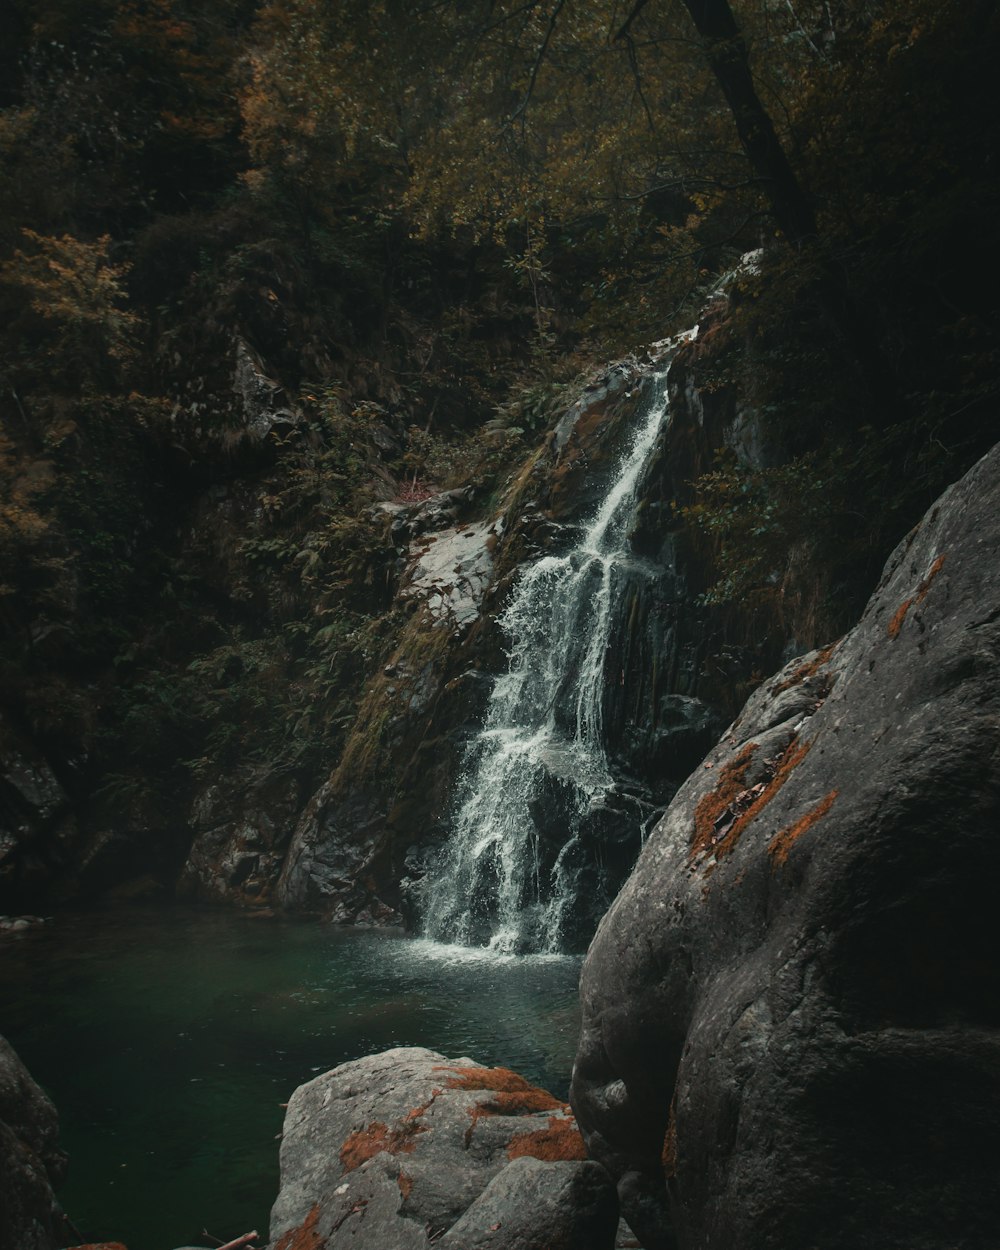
781	844
915	600
899	616
366	1143
807	670
513	1095
713	806
405	1183
305	1237
722	836
668	1155
561	1142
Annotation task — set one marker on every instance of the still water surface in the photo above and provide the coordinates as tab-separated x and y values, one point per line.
169	1038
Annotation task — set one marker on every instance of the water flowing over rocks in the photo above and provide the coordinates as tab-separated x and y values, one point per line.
359	845
368	836
539	764
790	1013
31	1163
409	1148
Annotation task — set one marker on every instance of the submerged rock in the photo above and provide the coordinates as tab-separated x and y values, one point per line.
31	1163
790	1014
408	1149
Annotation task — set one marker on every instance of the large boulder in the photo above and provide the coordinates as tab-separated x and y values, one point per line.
31	1163
790	1014
409	1149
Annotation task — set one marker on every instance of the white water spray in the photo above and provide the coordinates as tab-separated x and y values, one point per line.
500	882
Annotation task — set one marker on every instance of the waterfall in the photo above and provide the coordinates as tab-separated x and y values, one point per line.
507	875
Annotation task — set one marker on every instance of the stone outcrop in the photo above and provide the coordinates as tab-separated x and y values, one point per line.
35	818
366	834
241	833
31	1163
410	1149
790	1013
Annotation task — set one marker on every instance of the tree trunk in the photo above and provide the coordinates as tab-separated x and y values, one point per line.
726	53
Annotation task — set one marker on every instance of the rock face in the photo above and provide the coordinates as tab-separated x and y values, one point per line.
35	817
408	1148
790	1014
30	1162
352	844
241	832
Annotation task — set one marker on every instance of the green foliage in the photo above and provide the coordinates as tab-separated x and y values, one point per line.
754	519
84	330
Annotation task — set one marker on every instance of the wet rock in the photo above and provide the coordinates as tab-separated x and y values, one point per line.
671	741
242	831
263	408
19	924
449	571
31	1164
586	442
437	512
337	861
791	1012
399	1148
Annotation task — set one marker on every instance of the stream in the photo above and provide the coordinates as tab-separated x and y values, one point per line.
168	1038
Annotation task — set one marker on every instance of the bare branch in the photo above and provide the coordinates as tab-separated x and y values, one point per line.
684	183
520	110
623	30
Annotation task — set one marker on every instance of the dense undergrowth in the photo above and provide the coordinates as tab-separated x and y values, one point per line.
418	224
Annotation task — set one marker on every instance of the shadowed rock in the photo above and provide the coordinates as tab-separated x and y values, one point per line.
790	1013
31	1164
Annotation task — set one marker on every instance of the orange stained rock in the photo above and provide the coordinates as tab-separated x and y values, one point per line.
915	600
731	784
561	1142
668	1155
305	1237
807	670
513	1094
713	805
366	1143
781	844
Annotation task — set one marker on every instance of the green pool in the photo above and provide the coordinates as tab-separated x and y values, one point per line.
169	1038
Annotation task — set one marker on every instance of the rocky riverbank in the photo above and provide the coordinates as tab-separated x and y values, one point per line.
790	1012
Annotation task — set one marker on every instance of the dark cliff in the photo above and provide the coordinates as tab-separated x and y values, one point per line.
790	1011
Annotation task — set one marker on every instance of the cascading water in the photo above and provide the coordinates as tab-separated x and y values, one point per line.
507	876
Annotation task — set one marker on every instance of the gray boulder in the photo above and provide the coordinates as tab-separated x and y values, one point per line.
408	1148
31	1164
532	1205
790	1014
